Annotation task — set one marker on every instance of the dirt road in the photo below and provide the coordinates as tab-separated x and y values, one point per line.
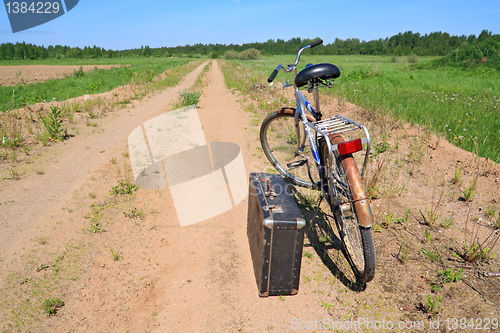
125	264
168	279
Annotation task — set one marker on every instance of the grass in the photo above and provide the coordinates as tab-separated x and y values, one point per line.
461	106
187	98
469	191
81	83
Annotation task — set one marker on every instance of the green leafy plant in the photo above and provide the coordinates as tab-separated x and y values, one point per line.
52	305
79	73
124	188
54	124
432	305
380	147
449	275
428	236
95	216
134	214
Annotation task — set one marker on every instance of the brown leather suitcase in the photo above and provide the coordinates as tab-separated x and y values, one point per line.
275	230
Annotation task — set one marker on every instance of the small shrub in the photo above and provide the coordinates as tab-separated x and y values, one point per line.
231	55
250	54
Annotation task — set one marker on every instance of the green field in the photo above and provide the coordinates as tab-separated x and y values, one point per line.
463	106
97	81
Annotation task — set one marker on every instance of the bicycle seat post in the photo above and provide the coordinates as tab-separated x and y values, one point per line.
316	100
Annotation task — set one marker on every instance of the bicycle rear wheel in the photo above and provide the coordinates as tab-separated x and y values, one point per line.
278	138
357	240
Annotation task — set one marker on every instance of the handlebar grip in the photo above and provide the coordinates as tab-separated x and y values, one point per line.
273	75
316	43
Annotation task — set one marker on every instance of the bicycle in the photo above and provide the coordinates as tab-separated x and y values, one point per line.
283	137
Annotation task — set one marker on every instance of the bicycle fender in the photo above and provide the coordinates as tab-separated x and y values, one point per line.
356	185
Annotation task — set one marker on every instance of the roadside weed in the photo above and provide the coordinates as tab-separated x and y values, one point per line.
115	254
187	98
134	214
51	305
53	123
449	275
432	255
472	247
458	175
432	305
448	221
469	191
124	188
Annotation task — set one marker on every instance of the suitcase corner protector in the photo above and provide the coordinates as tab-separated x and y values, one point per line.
301	223
268	222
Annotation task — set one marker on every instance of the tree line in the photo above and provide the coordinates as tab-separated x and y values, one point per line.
407	43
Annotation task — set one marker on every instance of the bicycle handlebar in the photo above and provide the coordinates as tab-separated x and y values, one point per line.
316	43
290	67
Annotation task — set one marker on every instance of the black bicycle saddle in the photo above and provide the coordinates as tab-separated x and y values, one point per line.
319	71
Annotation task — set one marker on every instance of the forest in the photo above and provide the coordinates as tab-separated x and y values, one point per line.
407	43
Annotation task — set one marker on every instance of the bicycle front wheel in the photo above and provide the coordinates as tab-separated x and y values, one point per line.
279	139
357	240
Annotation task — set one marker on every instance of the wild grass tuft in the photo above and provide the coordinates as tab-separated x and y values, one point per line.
187	98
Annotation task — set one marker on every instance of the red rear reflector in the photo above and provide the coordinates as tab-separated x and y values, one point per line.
350	147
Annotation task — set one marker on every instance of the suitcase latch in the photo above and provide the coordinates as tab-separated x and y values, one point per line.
273	208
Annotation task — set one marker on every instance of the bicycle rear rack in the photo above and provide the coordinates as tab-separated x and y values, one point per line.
339	124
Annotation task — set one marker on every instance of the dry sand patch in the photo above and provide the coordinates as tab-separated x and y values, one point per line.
12	75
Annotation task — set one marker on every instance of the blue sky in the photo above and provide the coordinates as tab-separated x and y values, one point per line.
124	24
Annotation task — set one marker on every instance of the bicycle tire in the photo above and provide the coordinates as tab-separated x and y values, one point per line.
357	239
278	140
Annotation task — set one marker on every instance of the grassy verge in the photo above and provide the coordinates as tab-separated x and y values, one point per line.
30	124
81	83
462	106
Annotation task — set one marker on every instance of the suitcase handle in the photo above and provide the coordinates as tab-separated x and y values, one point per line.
269	188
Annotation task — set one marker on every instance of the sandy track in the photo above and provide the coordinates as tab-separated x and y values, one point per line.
37	198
